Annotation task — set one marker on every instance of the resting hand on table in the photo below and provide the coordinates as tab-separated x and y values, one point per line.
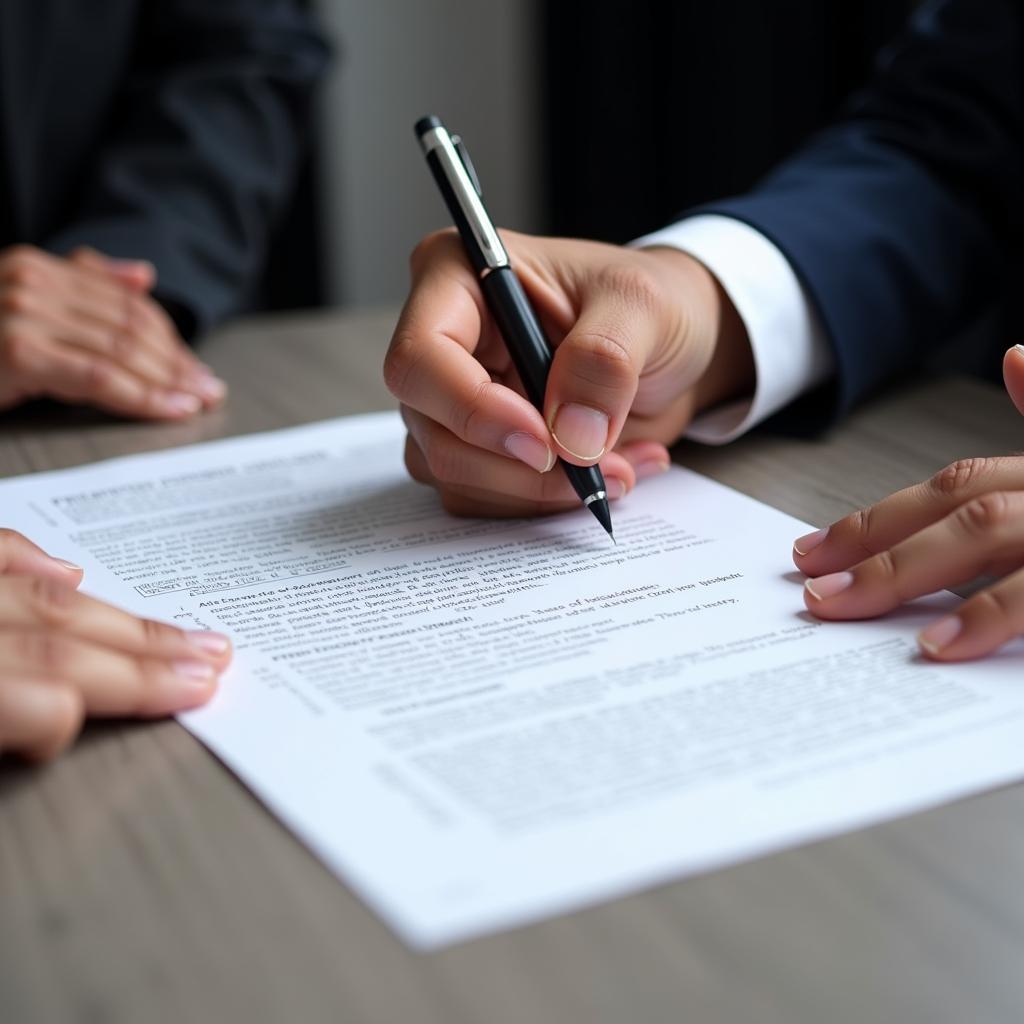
643	340
84	329
64	656
965	522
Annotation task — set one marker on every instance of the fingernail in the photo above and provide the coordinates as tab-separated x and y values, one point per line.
132	264
614	488
213	389
527	448
70	566
805	545
648	469
200	671
580	430
828	586
179	403
212	643
940	634
1019	348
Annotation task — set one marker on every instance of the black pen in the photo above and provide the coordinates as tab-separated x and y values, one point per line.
456	178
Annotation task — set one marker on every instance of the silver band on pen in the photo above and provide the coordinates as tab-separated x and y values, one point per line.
438	142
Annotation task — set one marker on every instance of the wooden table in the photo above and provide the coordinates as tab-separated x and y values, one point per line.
141	883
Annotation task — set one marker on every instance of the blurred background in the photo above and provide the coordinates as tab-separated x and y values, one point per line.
584	117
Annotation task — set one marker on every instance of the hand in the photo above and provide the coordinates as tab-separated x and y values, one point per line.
64	656
643	338
83	329
965	522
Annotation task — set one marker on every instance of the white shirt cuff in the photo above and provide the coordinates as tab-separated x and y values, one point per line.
791	351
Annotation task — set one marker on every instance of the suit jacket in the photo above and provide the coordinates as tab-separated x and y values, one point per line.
166	130
904	219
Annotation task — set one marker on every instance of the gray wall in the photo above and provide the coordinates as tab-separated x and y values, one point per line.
473	62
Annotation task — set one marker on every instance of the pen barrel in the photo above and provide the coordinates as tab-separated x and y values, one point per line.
524	337
451	200
531	354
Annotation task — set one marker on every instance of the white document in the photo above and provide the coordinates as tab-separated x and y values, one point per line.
478	724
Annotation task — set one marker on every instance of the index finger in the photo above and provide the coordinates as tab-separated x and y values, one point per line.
102	295
430	364
1013	375
978	537
154	328
20	557
110	682
877	528
46	603
139	275
125	321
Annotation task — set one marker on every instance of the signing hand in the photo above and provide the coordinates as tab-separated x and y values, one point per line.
84	329
64	656
965	522
644	339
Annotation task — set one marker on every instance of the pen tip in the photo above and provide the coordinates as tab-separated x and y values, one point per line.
602	514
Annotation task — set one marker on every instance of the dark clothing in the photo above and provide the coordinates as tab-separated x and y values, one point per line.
904	218
166	130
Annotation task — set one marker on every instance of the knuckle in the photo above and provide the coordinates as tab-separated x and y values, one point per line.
16	299
50	602
19	352
150	673
415	469
63	718
158	635
884	564
994	605
400	362
444	462
139	310
99	376
18	256
50	653
23	274
120	344
68	715
636	285
427	248
602	358
981	516
860	525
960	476
467	412
415	463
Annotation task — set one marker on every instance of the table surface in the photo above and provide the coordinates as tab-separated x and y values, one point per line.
141	882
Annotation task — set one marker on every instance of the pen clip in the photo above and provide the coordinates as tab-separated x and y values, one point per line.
460	148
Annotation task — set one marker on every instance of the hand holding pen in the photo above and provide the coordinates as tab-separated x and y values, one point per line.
642	339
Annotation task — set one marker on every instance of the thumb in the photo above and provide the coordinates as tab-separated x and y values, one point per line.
138	275
20	557
1013	375
594	376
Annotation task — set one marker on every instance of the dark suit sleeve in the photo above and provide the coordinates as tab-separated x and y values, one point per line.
899	219
202	149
